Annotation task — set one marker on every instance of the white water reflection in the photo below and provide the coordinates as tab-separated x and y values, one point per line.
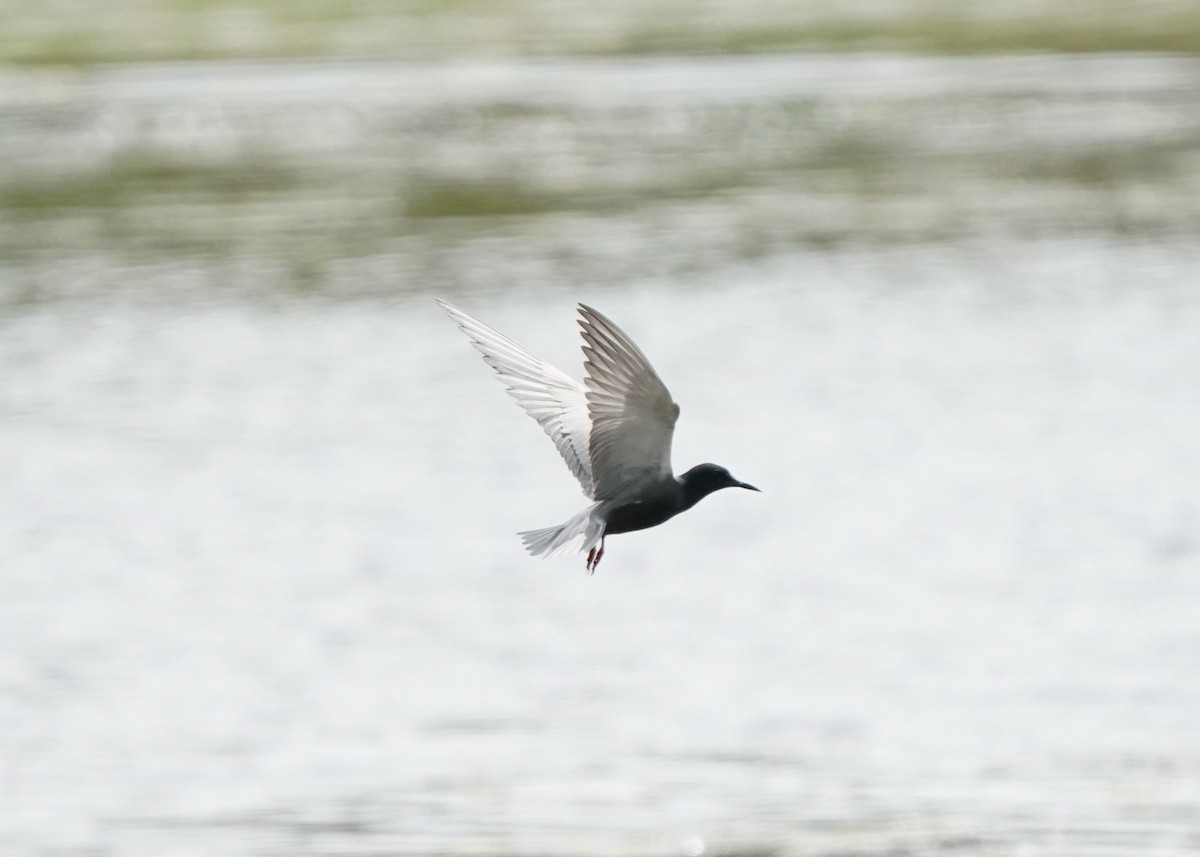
261	593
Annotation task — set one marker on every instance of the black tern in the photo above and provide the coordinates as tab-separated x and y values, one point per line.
614	432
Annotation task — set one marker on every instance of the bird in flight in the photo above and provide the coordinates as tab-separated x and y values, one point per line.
614	432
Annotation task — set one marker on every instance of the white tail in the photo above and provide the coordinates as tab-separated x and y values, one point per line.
551	541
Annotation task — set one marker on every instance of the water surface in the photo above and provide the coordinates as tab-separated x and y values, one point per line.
259	588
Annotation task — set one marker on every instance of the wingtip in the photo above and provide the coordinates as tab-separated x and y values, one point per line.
456	315
590	318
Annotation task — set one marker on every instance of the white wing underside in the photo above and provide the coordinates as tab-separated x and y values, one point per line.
558	403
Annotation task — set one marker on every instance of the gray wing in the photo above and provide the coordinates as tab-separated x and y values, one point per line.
632	413
557	402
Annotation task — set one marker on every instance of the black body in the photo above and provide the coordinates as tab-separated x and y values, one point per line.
669	498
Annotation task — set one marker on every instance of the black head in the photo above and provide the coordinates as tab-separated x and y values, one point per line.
703	479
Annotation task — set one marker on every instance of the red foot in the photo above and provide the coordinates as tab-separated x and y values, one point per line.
594	556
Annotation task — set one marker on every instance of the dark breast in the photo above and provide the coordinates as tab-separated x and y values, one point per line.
648	512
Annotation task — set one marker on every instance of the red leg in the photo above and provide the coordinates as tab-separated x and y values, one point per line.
594	556
599	555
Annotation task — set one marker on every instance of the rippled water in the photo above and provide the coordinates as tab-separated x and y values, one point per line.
260	592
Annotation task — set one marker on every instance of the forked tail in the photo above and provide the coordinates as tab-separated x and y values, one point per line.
588	524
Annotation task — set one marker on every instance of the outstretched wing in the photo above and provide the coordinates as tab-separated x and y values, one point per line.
558	403
632	413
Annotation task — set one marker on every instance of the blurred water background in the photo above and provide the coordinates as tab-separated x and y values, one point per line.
925	273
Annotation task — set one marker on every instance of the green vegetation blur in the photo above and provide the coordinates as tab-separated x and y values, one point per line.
275	142
50	32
